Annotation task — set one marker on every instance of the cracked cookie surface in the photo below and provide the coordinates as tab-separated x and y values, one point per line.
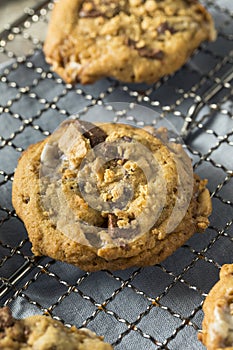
44	333
130	40
108	196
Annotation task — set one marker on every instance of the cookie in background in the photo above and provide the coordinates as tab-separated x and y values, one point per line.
132	41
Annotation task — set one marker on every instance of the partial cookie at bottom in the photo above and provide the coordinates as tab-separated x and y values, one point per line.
217	326
42	332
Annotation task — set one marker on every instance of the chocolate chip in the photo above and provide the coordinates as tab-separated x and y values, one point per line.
6	318
131	43
114	163
127	138
114	12
89	10
90	14
92	132
107	9
112	224
148	53
145	51
125	246
26	200
27	331
161	29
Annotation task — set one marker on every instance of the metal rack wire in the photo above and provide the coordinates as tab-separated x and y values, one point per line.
164	301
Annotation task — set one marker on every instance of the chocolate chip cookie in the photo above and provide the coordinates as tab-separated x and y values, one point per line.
42	332
108	196
217	333
130	40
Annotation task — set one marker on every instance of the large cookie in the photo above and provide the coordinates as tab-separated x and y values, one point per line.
109	196
43	333
217	333
131	40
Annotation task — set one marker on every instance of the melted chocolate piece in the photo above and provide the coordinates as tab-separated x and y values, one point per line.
89	10
131	43
112	224
125	246
106	9
92	132
165	26
91	14
127	138
148	53
145	51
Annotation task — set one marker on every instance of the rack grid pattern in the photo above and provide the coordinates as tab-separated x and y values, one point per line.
158	307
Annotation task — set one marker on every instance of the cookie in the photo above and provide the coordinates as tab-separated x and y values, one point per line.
42	332
130	40
217	333
108	196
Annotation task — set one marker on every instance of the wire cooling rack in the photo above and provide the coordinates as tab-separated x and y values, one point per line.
158	307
